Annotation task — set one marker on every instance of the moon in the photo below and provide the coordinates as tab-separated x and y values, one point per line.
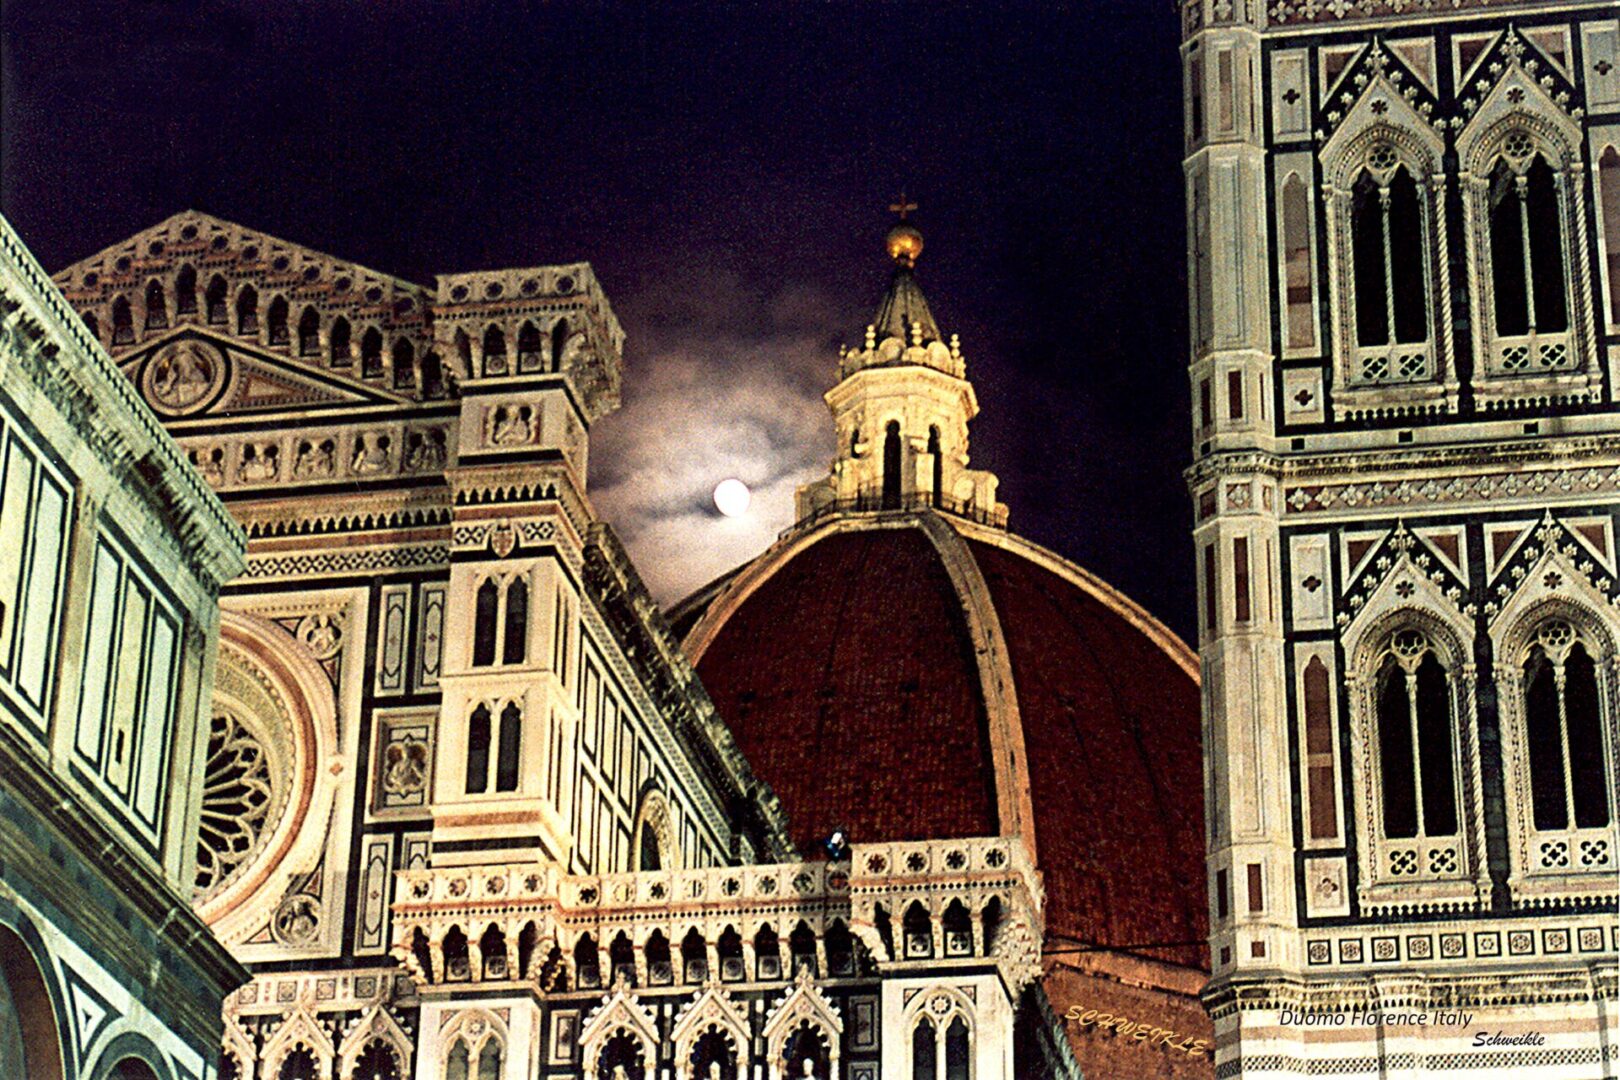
731	497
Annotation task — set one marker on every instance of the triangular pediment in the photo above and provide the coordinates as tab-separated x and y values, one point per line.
211	242
192	374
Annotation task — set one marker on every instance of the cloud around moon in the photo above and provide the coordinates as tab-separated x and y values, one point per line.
708	397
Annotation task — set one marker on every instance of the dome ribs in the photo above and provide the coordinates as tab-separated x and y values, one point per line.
849	681
1111	728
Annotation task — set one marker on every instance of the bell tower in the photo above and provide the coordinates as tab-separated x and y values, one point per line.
901	407
1404	267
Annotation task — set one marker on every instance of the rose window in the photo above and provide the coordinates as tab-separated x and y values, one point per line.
238	796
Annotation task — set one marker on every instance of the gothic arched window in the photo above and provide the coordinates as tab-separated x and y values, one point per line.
958	1062
247	310
123	322
214	299
92	324
404	358
1527	245
559	341
1415	747
339	347
185	291
371	350
275	321
494	351
464	353
1386	225
507	759
485	609
528	347
767	954
891	465
478	751
309	332
514	644
466	1063
923	1051
1563	728
157	312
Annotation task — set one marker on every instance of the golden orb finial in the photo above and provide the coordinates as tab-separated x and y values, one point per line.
904	243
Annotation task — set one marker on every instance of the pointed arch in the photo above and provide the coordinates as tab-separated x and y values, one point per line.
528	347
1415	759
371	353
375	1026
802	1011
275	321
298	1031
185	290
623	1021
1523	179
464	355
309	332
559	344
1556	643
214	301
1384	187
340	347
247	310
712	1012
494	351
404	363
157	312
123	321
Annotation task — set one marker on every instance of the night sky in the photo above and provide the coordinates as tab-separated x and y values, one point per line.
727	169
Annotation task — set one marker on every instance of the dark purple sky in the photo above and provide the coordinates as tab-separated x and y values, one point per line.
726	168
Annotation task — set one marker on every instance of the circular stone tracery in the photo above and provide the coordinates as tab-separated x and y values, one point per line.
238	794
252	769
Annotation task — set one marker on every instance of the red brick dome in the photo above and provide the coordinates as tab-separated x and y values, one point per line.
906	676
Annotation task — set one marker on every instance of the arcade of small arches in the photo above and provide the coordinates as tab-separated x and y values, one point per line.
537	345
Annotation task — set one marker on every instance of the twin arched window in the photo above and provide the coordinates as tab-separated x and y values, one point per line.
1387	237
1416	745
465	1062
944	1044
507	760
501	621
1569	784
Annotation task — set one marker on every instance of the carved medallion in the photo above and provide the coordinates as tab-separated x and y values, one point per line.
183	377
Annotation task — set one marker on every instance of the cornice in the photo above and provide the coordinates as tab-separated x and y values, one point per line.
642	631
70	367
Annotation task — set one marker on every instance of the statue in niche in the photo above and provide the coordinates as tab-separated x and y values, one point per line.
425	450
405	767
314	458
513	426
370	453
260	462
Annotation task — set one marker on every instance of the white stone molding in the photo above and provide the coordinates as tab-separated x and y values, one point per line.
237	1043
1556	587
619	1014
1407	599
477	1028
804	1005
1383	132
653	817
299	1027
1518	113
374	1024
303	739
712	1010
